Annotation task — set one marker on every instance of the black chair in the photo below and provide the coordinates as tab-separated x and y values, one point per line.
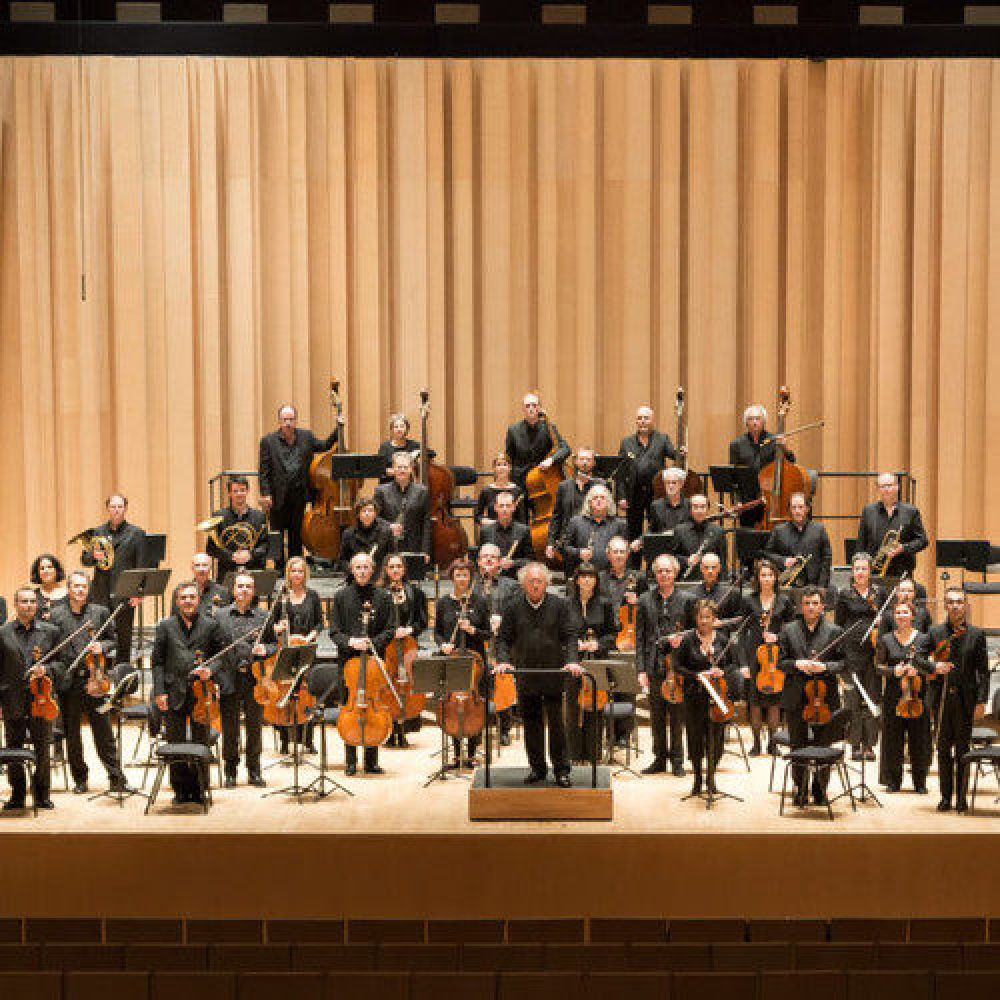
22	757
143	713
818	759
981	757
197	755
778	740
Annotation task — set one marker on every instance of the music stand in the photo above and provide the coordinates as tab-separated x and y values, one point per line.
737	481
128	685
439	676
658	544
750	546
154	550
264	581
293	664
318	786
344	465
622	679
861	791
416	566
141	583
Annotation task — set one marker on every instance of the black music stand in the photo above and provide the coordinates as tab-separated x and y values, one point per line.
613	469
750	546
416	566
264	581
622	679
141	583
861	791
439	676
318	786
344	465
658	544
128	685
969	556
294	664
739	482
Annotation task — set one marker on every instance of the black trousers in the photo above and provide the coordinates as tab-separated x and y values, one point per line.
76	705
123	634
700	729
801	734
230	706
952	744
351	756
639	503
666	721
895	733
539	711
39	732
183	779
287	520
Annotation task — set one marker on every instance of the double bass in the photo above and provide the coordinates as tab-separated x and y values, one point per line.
333	499
365	721
541	485
693	484
448	538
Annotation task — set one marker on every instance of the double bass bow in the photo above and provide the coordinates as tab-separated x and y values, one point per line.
448	538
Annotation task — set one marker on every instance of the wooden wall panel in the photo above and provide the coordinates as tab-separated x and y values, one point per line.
599	230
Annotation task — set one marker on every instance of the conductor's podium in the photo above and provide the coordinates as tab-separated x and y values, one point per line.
509	798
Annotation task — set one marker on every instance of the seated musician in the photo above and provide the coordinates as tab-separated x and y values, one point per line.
486	510
806	655
347	633
75	701
408	618
239	511
646	451
399	441
49	579
617	582
588	534
769	609
801	538
663	615
529	442
888	514
511	537
177	640
211	595
237	682
462	622
19	639
902	658
570	497
755	449
405	504
369	533
673	509
697	537
727	598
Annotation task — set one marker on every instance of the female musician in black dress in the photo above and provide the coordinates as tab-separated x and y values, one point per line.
486	503
769	608
409	618
49	580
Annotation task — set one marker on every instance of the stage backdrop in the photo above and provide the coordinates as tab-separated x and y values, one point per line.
600	230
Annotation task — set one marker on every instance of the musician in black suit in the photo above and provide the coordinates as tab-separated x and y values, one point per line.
511	537
238	511
529	442
888	514
697	537
727	597
587	537
283	475
673	509
801	538
962	669
807	654
755	449
405	504
570	497
211	595
19	638
538	633
646	452
369	533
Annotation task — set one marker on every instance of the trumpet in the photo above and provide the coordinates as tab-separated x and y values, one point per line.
233	537
880	561
100	547
791	574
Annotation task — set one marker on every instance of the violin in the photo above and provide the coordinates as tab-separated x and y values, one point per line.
399	659
911	702
43	705
587	694
504	685
716	713
542	485
817	711
944	652
693	484
364	721
448	538
333	499
672	687
770	680
627	614
98	682
462	714
206	697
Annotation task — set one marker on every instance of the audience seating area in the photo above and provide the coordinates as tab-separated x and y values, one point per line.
596	959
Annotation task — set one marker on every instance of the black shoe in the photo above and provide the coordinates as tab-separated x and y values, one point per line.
944	805
505	739
868	756
534	777
892	788
308	748
197	799
44	804
13	805
678	770
119	785
80	788
230	781
256	779
351	770
920	789
656	767
402	741
755	749
470	764
856	754
801	798
819	797
962	806
563	781
374	769
696	785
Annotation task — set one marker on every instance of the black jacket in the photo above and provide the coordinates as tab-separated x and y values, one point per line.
569	503
207	603
664	517
446	614
689	538
754	454
849	608
486	502
970	680
752	637
812	541
257	520
174	649
274	479
728	599
129	541
513	541
357	538
413	509
689	661
538	638
798	644
646	461
658	618
875	522
67	623
600	617
527	446
889	654
584	532
614	587
240	660
16	644
345	618
387	451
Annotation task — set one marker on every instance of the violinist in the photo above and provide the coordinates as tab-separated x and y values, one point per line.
617	582
409	605
74	701
698	537
673	509
238	511
589	532
963	681
511	537
727	598
663	615
236	681
755	449
597	628
888	514
177	640
769	609
462	621
528	442
860	602
19	639
647	451
537	633
283	461
347	633
405	504
705	651
902	657
907	593
799	539
49	578
369	533
486	510
399	441
806	655
570	497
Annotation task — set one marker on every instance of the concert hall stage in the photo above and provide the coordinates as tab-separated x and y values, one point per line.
398	849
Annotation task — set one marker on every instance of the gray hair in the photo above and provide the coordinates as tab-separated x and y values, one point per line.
599	488
755	410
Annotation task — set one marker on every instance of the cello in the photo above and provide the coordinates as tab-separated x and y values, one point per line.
504	685
399	659
462	714
333	499
364	721
541	486
448	538
693	484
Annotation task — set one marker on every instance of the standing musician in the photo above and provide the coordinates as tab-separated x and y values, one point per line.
462	621
369	533
860	602
211	595
3	610
706	651
75	701
888	514
528	442
406	505
727	598
570	496
805	657
283	475
537	633
755	449
902	657
19	638
770	609
238	511
663	615
129	547
347	633
497	591
410	603
906	593
673	509
49	578
486	510
799	539
963	680
511	537
589	532
699	536
399	441
647	451
177	640
236	681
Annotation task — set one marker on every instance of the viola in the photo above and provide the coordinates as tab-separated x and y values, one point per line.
399	659
716	713
627	614
770	680
911	703
43	705
448	538
462	714
206	698
817	711
542	485
364	721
